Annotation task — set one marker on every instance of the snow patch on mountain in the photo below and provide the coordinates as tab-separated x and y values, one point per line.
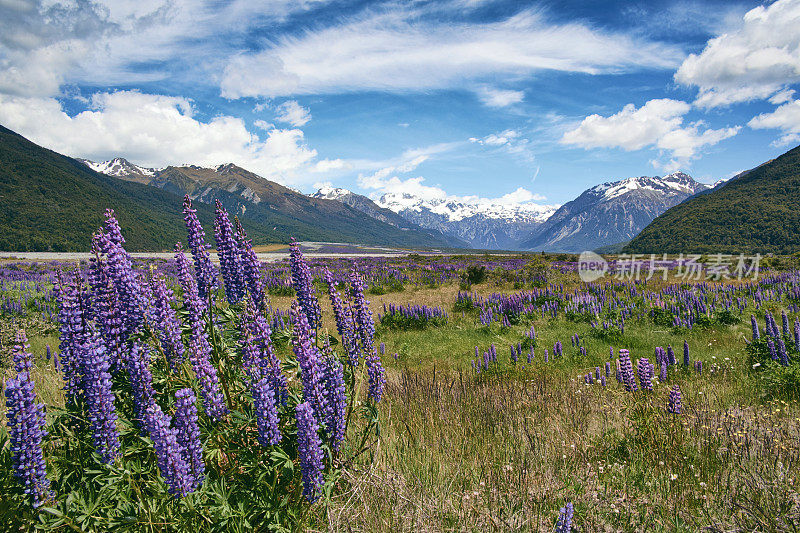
119	167
459	209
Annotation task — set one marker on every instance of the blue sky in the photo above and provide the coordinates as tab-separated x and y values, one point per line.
524	101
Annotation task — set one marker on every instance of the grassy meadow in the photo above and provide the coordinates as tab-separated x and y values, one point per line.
505	447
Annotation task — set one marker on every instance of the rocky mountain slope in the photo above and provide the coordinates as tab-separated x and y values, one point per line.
51	202
611	213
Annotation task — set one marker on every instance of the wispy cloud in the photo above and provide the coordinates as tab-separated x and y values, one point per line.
399	51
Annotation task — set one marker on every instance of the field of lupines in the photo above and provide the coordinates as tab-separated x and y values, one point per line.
168	395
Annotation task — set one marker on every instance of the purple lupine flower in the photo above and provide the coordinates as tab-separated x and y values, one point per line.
120	271
626	368
365	326
96	388
772	352
48	352
266	410
23	359
784	323
698	366
228	252
199	348
686	359
309	450
169	453
344	321
141	379
308	359
564	523
204	270
603	380
377	377
782	355
674	400
303	283
662	374
106	308
754	325
256	329
670	355
165	322
797	335
250	265
187	433
645	371
72	330
26	421
335	401
608	368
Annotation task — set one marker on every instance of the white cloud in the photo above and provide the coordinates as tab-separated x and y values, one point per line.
499	97
509	141
293	113
782	97
658	123
785	118
47	43
155	130
754	61
328	165
263	125
497	139
397	50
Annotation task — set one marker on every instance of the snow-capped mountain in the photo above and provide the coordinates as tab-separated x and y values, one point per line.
365	205
122	168
481	223
611	213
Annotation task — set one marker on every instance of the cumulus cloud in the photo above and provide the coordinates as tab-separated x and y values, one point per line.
397	50
785	118
293	113
156	130
658	123
754	61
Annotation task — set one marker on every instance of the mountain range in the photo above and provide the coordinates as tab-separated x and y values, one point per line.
607	214
611	213
62	200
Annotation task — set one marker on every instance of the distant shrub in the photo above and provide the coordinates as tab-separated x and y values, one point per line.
475	274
